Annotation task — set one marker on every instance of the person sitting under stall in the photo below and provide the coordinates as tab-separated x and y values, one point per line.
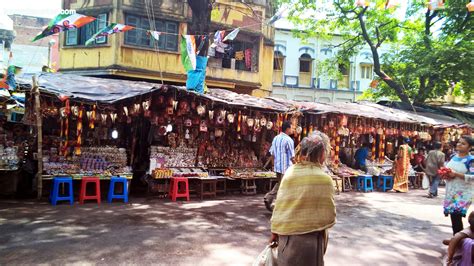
461	246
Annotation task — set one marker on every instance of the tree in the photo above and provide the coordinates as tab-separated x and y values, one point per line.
422	66
200	21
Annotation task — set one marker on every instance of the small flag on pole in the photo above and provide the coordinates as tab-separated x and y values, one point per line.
231	36
188	52
109	30
64	22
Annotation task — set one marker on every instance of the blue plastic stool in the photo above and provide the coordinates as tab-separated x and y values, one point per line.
54	197
385	182
365	183
112	195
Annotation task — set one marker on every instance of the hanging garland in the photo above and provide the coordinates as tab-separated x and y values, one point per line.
77	149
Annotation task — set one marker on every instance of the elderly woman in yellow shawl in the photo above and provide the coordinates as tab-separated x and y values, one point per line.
305	209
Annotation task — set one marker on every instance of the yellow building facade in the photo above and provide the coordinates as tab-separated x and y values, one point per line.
135	55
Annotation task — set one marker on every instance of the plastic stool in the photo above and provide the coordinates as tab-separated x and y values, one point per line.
385	182
364	184
112	195
83	196
55	197
174	188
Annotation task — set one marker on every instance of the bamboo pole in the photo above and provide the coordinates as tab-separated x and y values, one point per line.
39	128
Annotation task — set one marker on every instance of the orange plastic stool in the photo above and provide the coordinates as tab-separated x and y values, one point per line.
175	191
83	195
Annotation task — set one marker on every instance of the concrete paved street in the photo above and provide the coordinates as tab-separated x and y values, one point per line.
372	229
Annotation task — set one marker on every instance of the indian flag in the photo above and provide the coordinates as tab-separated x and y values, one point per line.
109	30
188	52
64	22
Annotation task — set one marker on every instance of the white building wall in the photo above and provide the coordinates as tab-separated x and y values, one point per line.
292	48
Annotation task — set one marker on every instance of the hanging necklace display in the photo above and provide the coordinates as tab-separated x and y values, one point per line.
146	108
187	136
269	125
175	104
230	118
201	110
113	117
211	114
263	122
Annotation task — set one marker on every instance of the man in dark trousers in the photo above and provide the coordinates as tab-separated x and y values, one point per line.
434	161
283	152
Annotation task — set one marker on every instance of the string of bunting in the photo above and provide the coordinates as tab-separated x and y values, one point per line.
63	22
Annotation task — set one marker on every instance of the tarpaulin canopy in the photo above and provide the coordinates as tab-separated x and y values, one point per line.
89	88
372	110
113	90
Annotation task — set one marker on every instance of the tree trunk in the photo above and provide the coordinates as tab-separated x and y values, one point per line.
427	82
201	22
377	66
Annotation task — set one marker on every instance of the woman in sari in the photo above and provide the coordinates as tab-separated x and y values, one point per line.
304	208
402	167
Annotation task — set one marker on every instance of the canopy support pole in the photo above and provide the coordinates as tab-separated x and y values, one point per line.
39	128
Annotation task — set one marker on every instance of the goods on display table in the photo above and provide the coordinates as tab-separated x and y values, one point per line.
93	160
167	157
343	170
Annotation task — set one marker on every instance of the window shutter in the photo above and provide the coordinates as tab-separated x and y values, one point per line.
71	37
101	23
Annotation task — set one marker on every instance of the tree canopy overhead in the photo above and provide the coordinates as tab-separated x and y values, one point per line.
431	49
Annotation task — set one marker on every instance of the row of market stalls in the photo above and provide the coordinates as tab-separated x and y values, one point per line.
150	132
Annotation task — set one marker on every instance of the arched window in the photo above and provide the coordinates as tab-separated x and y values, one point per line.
305	63
278	61
278	66
306	69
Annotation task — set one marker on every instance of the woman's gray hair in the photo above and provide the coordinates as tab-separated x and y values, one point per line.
315	145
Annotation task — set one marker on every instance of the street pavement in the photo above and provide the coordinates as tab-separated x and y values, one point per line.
372	229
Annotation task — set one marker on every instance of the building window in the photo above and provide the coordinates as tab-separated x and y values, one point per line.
139	37
305	63
278	61
242	53
366	71
81	35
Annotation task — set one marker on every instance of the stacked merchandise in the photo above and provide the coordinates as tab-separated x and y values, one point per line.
93	161
9	159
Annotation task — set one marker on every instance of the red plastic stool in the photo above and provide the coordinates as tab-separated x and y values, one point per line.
83	195
175	191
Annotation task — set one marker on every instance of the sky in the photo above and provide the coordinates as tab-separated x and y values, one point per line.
38	8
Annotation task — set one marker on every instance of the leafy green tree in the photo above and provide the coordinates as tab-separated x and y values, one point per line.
431	49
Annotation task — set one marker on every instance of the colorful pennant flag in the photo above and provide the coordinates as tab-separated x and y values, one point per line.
154	34
109	30
363	3
392	3
188	52
231	36
64	22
